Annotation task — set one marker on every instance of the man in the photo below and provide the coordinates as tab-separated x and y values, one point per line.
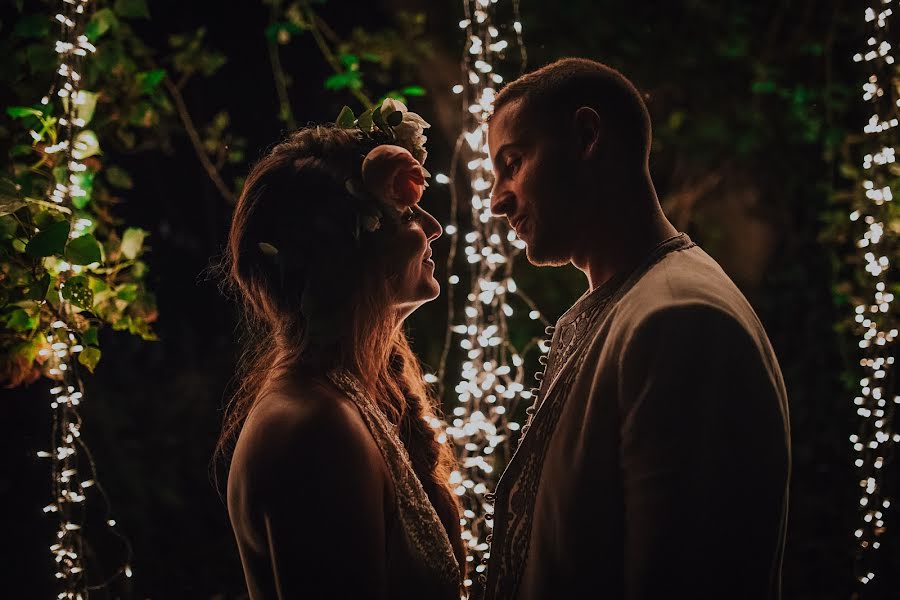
656	464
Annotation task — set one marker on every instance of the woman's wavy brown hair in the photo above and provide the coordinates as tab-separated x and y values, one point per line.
325	300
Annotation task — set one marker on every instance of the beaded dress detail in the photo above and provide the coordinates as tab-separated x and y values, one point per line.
416	516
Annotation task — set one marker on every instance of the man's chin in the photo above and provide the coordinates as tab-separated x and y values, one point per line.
540	256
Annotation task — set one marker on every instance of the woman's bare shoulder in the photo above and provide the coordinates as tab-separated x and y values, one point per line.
305	427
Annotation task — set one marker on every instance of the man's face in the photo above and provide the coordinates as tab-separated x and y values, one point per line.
531	187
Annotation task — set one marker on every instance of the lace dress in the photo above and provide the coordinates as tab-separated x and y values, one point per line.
420	559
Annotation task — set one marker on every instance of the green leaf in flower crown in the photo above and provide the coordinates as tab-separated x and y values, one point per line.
76	290
132	242
83	250
89	357
50	240
345	118
119	177
395	118
378	119
364	121
86	145
100	23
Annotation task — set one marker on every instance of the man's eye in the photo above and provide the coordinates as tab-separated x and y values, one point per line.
513	165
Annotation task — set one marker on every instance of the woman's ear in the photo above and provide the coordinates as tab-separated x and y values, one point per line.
587	131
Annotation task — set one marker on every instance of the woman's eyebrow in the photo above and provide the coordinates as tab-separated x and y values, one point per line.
506	148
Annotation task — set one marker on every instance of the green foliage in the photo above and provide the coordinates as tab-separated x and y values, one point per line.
68	261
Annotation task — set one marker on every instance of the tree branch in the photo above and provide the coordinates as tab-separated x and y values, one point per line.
196	142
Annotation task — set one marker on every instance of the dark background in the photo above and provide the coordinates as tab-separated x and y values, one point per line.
748	170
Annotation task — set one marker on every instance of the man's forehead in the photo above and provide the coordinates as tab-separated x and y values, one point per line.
505	127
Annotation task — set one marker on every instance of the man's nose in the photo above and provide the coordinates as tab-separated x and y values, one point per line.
501	202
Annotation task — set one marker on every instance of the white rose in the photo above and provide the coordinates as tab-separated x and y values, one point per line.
410	133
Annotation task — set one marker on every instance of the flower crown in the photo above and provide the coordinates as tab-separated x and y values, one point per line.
393	175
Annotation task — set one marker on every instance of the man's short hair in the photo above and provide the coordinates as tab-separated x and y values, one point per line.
551	95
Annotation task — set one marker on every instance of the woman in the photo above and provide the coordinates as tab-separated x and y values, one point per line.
337	486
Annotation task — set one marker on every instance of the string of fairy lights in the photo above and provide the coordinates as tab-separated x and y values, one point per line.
876	217
491	380
69	453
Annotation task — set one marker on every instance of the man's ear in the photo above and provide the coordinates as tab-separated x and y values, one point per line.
588	132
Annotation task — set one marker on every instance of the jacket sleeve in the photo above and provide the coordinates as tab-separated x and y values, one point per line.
704	454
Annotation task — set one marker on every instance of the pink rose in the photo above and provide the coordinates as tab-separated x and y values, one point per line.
393	175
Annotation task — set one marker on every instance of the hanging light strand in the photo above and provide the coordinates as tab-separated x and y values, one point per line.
69	456
491	381
875	316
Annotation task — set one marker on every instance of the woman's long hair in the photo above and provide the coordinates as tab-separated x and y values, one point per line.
324	299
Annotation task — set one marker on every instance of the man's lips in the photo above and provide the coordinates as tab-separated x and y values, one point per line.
517	224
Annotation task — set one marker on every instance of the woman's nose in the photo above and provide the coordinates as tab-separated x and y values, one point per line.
434	228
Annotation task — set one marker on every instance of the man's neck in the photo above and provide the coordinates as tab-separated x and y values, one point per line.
622	248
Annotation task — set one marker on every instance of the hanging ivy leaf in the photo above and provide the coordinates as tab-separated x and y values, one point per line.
119	177
84	180
348	79
20	320
150	80
8	226
76	290
86	145
83	250
102	21
133	242
89	357
132	9
90	337
50	240
33	26
127	292
10	198
17	112
37	291
84	107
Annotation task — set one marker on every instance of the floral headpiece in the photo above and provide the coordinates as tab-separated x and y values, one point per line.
393	176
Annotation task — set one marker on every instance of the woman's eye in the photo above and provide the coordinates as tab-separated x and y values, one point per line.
513	165
410	215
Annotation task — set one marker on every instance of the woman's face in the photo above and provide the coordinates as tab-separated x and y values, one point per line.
413	279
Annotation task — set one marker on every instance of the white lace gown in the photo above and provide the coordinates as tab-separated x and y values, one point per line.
420	559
